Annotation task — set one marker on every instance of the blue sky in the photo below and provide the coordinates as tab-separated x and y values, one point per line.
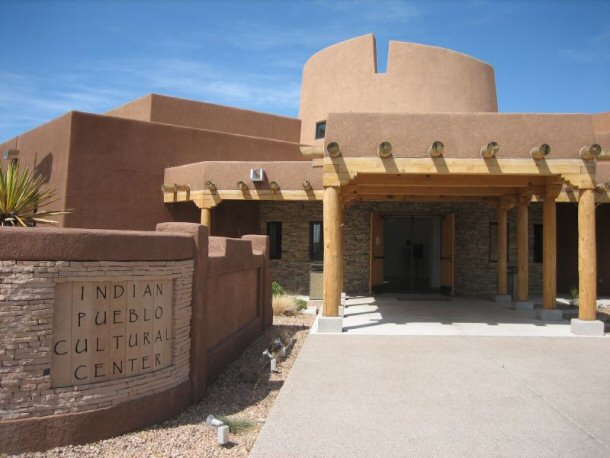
85	55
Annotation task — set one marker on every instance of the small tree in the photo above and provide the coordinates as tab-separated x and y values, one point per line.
21	196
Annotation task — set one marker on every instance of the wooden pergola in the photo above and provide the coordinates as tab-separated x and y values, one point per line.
501	183
504	183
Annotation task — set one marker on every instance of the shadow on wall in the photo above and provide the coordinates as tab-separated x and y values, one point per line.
44	168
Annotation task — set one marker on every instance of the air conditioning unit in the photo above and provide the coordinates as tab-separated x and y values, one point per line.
257	175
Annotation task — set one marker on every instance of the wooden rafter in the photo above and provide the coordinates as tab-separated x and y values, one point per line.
209	199
342	170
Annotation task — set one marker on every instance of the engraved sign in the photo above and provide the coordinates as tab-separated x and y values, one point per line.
111	329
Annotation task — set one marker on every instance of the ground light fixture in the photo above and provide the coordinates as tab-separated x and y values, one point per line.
333	149
490	150
436	149
384	150
222	432
589	153
540	152
242	186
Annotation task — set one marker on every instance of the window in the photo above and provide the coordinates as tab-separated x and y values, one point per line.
316	241
274	231
538	242
320	129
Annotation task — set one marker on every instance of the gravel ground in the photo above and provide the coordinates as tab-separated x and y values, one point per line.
245	390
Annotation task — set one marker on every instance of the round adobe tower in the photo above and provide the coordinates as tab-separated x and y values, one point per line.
419	79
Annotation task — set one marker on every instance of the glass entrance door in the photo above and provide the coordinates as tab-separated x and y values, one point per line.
412	257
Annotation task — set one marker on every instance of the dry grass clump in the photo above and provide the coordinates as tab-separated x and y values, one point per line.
284	305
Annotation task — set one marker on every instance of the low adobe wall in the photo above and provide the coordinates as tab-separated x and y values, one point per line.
103	332
239	286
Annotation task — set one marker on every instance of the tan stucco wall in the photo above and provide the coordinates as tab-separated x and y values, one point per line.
209	116
463	134
419	78
140	109
117	166
601	125
289	175
45	151
601	122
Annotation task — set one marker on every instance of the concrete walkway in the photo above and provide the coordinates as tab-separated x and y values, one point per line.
443	395
399	315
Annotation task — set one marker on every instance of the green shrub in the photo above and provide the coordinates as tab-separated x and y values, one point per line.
21	196
237	424
301	304
277	289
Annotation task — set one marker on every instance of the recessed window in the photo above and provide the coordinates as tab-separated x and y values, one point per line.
316	241
320	129
538	243
274	231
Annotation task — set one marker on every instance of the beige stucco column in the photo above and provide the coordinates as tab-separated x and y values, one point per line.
587	259
333	259
502	248
549	249
206	217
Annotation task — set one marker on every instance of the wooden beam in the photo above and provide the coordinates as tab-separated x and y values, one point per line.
427	191
587	260
206	217
420	198
430	180
522	250
211	199
332	252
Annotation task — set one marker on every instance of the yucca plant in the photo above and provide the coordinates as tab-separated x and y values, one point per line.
21	196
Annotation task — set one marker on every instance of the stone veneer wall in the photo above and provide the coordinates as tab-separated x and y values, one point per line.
474	274
26	314
292	270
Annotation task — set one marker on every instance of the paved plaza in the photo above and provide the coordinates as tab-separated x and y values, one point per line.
439	315
530	389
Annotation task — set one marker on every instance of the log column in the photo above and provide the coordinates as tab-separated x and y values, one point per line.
342	250
333	260
522	250
206	217
502	248
549	248
587	260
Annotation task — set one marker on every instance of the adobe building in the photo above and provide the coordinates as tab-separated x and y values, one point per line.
404	181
